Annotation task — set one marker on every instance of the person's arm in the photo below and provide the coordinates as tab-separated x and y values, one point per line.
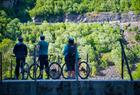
26	51
38	46
65	49
77	54
15	48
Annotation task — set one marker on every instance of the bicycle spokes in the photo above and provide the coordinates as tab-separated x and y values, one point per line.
84	70
55	70
34	71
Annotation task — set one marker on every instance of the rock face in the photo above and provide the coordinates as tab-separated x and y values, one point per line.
7	3
103	16
96	17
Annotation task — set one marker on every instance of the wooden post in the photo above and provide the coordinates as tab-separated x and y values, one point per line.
0	67
11	68
35	62
128	68
76	67
124	58
87	57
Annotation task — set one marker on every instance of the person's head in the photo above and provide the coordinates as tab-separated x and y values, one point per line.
20	39
71	40
42	37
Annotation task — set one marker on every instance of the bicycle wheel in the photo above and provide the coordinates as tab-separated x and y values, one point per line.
54	70
64	71
26	71
23	74
84	70
34	71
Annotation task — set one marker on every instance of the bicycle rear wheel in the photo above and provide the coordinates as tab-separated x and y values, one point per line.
34	71
26	71
64	71
54	70
84	70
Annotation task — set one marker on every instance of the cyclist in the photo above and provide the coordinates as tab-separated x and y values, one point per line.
71	55
43	55
20	51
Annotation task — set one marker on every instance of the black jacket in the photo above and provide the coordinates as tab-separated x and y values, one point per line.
20	50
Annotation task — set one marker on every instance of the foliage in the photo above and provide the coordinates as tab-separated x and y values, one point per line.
19	9
5	48
136	74
137	37
51	8
135	5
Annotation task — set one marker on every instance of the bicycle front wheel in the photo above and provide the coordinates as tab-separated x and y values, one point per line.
34	71
64	71
26	71
84	70
54	70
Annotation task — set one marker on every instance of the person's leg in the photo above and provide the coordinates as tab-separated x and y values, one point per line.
73	68
68	66
41	65
46	65
17	68
22	62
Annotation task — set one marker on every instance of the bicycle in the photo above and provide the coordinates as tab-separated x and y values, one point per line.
34	69
55	68
23	72
83	69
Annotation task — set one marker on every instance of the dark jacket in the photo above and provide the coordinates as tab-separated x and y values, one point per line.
20	50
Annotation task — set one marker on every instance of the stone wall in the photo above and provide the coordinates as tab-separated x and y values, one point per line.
70	87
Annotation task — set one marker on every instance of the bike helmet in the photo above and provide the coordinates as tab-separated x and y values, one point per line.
20	39
71	40
42	37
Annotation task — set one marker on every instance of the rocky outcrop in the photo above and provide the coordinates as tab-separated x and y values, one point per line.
94	17
102	17
8	3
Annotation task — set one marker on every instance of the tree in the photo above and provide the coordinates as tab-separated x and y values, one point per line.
135	5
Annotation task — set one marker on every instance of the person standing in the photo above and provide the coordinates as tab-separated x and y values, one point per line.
43	55
71	55
20	51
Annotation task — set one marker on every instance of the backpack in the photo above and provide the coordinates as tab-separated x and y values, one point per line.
71	51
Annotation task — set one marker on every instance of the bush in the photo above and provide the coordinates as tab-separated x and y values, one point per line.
136	74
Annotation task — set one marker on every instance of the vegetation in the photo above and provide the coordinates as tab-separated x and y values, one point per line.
100	41
49	9
88	37
52	8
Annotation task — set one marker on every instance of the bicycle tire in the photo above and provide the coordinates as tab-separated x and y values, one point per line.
54	70
34	73
26	71
23	74
82	70
64	71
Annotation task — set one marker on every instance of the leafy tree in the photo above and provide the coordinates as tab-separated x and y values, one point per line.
135	5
